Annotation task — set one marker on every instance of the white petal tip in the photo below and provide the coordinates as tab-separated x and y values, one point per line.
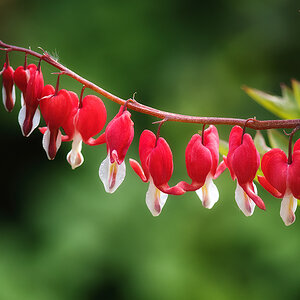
112	174
244	202
155	199
75	157
208	193
287	209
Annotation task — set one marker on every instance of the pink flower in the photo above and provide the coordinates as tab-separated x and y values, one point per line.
282	180
202	157
29	115
87	118
8	87
55	108
157	168
118	135
243	162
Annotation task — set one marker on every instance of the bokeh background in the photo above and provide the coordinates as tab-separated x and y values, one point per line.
63	237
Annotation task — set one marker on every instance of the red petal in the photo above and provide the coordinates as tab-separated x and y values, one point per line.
8	84
91	117
138	169
119	135
211	141
55	109
68	125
297	145
294	175
146	145
34	89
274	166
220	169
245	160
235	139
161	163
268	187
20	78
198	160
249	190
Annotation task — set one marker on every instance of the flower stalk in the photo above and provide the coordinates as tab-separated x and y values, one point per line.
138	107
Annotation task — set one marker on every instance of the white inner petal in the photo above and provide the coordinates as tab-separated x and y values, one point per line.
22	99
74	157
36	120
46	141
208	193
244	202
4	96
288	208
13	94
155	199
21	117
111	174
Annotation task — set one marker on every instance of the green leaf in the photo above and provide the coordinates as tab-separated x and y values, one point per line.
296	90
278	140
285	107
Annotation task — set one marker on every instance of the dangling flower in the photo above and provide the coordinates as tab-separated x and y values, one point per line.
87	118
157	168
118	135
202	157
8	87
21	77
29	115
243	162
55	108
282	180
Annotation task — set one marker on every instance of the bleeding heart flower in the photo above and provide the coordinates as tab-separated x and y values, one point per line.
55	108
21	78
282	180
201	158
87	118
243	162
8	87
118	135
157	168
29	115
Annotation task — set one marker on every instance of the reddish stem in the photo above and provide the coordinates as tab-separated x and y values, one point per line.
257	125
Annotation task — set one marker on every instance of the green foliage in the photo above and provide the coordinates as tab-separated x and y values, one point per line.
286	107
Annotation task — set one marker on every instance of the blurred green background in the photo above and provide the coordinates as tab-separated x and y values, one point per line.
63	237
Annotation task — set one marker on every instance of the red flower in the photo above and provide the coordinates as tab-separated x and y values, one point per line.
8	87
243	162
157	168
202	157
21	78
29	115
282	180
118	135
55	108
86	119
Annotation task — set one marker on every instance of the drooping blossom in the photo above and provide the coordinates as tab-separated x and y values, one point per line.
87	119
282	180
29	115
156	168
55	108
118	135
8	87
243	162
21	78
202	158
